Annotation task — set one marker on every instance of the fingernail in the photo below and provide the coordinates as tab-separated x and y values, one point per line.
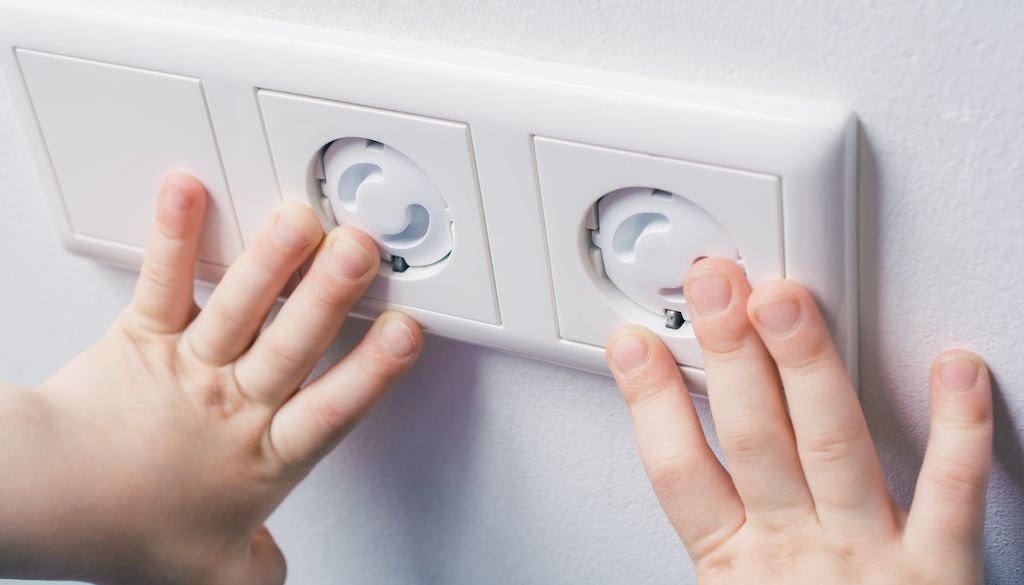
709	293
779	316
958	373
348	259
175	199
629	353
397	339
289	236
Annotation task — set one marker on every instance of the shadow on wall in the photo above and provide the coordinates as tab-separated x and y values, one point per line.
900	454
1009	452
417	457
1008	478
895	446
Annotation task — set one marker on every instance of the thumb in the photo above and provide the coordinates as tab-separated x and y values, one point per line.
266	561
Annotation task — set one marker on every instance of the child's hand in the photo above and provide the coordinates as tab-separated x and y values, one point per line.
158	454
804	500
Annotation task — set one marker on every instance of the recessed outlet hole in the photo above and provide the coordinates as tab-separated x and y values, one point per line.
590	221
674	294
630	230
374	145
352	178
594	253
417	223
661	194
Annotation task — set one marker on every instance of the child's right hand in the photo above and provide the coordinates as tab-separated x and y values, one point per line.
155	456
804	501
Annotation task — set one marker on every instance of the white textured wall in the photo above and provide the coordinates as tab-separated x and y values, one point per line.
486	468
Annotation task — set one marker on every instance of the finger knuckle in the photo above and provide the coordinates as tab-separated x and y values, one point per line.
710	548
744	440
219	392
376	366
807	351
228	318
724	350
785	520
329	293
727	337
646	390
326	415
267	258
193	345
173	226
160	276
965	415
712	558
206	343
287	357
669	473
830	444
958	482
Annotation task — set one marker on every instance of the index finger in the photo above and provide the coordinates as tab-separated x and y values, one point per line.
694	489
162	301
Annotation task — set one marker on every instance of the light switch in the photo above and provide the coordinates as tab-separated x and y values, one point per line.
112	132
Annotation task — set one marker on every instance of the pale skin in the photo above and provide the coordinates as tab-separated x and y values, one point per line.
155	456
804	501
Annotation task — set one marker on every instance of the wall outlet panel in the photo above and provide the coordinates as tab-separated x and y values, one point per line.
461	286
522	149
572	176
111	132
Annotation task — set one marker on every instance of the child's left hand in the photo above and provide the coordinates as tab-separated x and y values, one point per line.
157	454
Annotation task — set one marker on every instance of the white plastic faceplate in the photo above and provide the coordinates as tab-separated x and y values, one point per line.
521	150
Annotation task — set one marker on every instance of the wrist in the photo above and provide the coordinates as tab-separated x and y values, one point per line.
46	533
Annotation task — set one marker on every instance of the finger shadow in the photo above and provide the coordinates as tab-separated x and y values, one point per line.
398	476
1004	532
897	450
890	418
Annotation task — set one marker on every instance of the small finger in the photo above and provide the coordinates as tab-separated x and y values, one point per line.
313	420
286	351
267	565
746	399
693	488
162	302
835	448
235	311
949	502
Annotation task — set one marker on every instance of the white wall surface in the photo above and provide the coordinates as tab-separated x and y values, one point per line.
487	468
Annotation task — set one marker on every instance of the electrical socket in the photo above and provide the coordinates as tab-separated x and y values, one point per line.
501	184
393	175
593	210
373	187
645	239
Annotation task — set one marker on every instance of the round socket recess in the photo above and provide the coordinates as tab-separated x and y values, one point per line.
376	188
648	238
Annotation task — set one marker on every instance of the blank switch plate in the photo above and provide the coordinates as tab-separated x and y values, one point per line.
111	132
111	99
